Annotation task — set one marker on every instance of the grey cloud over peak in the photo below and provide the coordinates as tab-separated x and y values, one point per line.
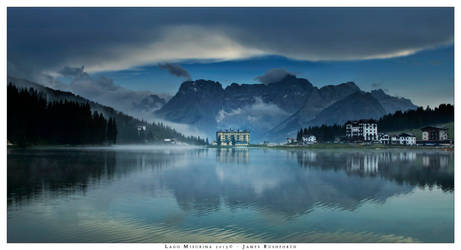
175	69
273	75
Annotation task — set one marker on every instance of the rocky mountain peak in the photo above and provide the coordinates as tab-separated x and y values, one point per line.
378	92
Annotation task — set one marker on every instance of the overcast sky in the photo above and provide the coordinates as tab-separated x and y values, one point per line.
406	51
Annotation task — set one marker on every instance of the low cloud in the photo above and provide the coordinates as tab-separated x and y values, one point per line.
186	129
259	115
273	75
175	69
72	71
103	90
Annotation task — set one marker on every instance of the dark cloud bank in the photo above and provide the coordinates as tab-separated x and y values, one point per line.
46	39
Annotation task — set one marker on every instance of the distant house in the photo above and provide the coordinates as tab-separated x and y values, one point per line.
362	130
291	140
407	139
394	139
141	129
402	139
309	139
434	134
170	141
231	137
384	138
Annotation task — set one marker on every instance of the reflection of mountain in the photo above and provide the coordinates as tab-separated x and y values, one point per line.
337	180
283	190
273	187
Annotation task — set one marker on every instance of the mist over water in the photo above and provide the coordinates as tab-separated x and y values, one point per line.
159	193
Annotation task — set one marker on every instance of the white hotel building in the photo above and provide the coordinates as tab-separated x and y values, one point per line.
362	130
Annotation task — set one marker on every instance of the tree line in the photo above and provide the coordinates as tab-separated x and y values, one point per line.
158	131
32	120
399	120
417	118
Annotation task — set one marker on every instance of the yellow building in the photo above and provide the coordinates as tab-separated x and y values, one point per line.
233	137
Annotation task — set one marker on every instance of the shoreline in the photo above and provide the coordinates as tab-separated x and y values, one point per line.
343	146
280	147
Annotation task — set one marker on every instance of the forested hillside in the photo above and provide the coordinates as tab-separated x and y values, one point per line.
398	121
33	120
41	115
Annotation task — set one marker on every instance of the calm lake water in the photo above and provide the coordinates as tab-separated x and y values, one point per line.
161	194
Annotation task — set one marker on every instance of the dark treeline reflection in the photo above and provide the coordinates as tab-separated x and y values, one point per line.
61	172
31	172
416	168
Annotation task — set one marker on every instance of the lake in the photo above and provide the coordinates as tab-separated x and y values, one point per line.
193	194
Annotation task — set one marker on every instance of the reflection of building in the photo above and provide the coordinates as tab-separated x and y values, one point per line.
370	163
407	156
233	155
443	161
426	161
434	134
367	164
233	137
435	161
362	130
306	157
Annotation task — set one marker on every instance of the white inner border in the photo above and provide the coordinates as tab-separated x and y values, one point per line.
225	3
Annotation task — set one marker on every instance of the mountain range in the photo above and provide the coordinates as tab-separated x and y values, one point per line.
270	111
276	110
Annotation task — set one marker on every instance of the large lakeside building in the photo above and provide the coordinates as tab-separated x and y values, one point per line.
231	137
362	130
434	134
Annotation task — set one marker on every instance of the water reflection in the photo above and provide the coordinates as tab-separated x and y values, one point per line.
202	184
66	172
164	189
417	168
280	189
233	155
